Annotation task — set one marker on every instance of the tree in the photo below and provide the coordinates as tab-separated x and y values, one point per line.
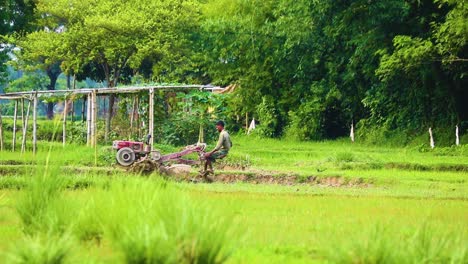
38	52
300	52
426	69
16	16
111	37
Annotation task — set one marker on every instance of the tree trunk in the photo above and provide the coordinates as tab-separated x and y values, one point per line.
53	72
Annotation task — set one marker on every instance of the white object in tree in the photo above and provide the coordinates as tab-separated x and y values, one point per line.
457	139
351	134
251	126
431	142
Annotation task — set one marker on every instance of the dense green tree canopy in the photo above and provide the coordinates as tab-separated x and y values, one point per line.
307	69
16	16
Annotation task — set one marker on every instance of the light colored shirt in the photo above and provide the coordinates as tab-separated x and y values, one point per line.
224	141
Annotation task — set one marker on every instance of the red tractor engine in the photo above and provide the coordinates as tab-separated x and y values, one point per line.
129	151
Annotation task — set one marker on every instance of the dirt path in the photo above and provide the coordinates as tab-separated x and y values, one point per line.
265	177
189	174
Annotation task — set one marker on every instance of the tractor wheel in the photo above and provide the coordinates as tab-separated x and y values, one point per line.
125	156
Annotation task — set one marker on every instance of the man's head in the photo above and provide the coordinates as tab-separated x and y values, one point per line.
220	125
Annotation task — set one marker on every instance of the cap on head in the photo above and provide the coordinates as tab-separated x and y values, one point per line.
220	123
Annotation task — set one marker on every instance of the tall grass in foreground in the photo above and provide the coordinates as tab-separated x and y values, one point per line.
45	216
380	245
42	248
41	207
152	222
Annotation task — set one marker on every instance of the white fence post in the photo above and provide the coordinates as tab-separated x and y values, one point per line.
431	140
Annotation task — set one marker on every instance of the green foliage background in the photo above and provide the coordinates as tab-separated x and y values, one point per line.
303	69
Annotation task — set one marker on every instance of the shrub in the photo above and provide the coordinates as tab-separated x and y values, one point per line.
382	245
159	224
41	249
40	205
269	117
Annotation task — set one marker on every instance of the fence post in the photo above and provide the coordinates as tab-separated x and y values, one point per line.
35	123
15	117
64	135
431	138
25	127
1	130
151	116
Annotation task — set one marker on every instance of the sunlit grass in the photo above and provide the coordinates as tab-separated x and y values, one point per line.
411	207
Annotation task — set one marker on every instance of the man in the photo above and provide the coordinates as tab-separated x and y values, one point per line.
220	151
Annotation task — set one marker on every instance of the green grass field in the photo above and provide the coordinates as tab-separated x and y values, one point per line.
71	205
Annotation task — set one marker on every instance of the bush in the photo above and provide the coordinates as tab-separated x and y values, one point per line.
40	207
41	249
159	224
387	134
269	118
381	245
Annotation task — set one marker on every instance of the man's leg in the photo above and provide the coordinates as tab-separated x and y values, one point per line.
207	161
205	173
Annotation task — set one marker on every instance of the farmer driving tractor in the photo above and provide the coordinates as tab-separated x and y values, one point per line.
220	151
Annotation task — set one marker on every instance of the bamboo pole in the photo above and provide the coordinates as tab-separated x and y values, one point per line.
15	117
138	117
22	112
94	119
94	130
25	128
132	117
88	119
151	116
64	135
1	130
72	117
85	104
35	124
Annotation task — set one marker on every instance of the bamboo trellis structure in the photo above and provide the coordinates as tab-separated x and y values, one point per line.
91	95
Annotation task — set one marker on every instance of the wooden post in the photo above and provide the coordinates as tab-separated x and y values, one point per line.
94	119
132	117
15	117
151	116
351	133
246	122
72	118
137	121
22	112
64	135
25	128
1	130
88	119
83	109
457	138
431	138
35	123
